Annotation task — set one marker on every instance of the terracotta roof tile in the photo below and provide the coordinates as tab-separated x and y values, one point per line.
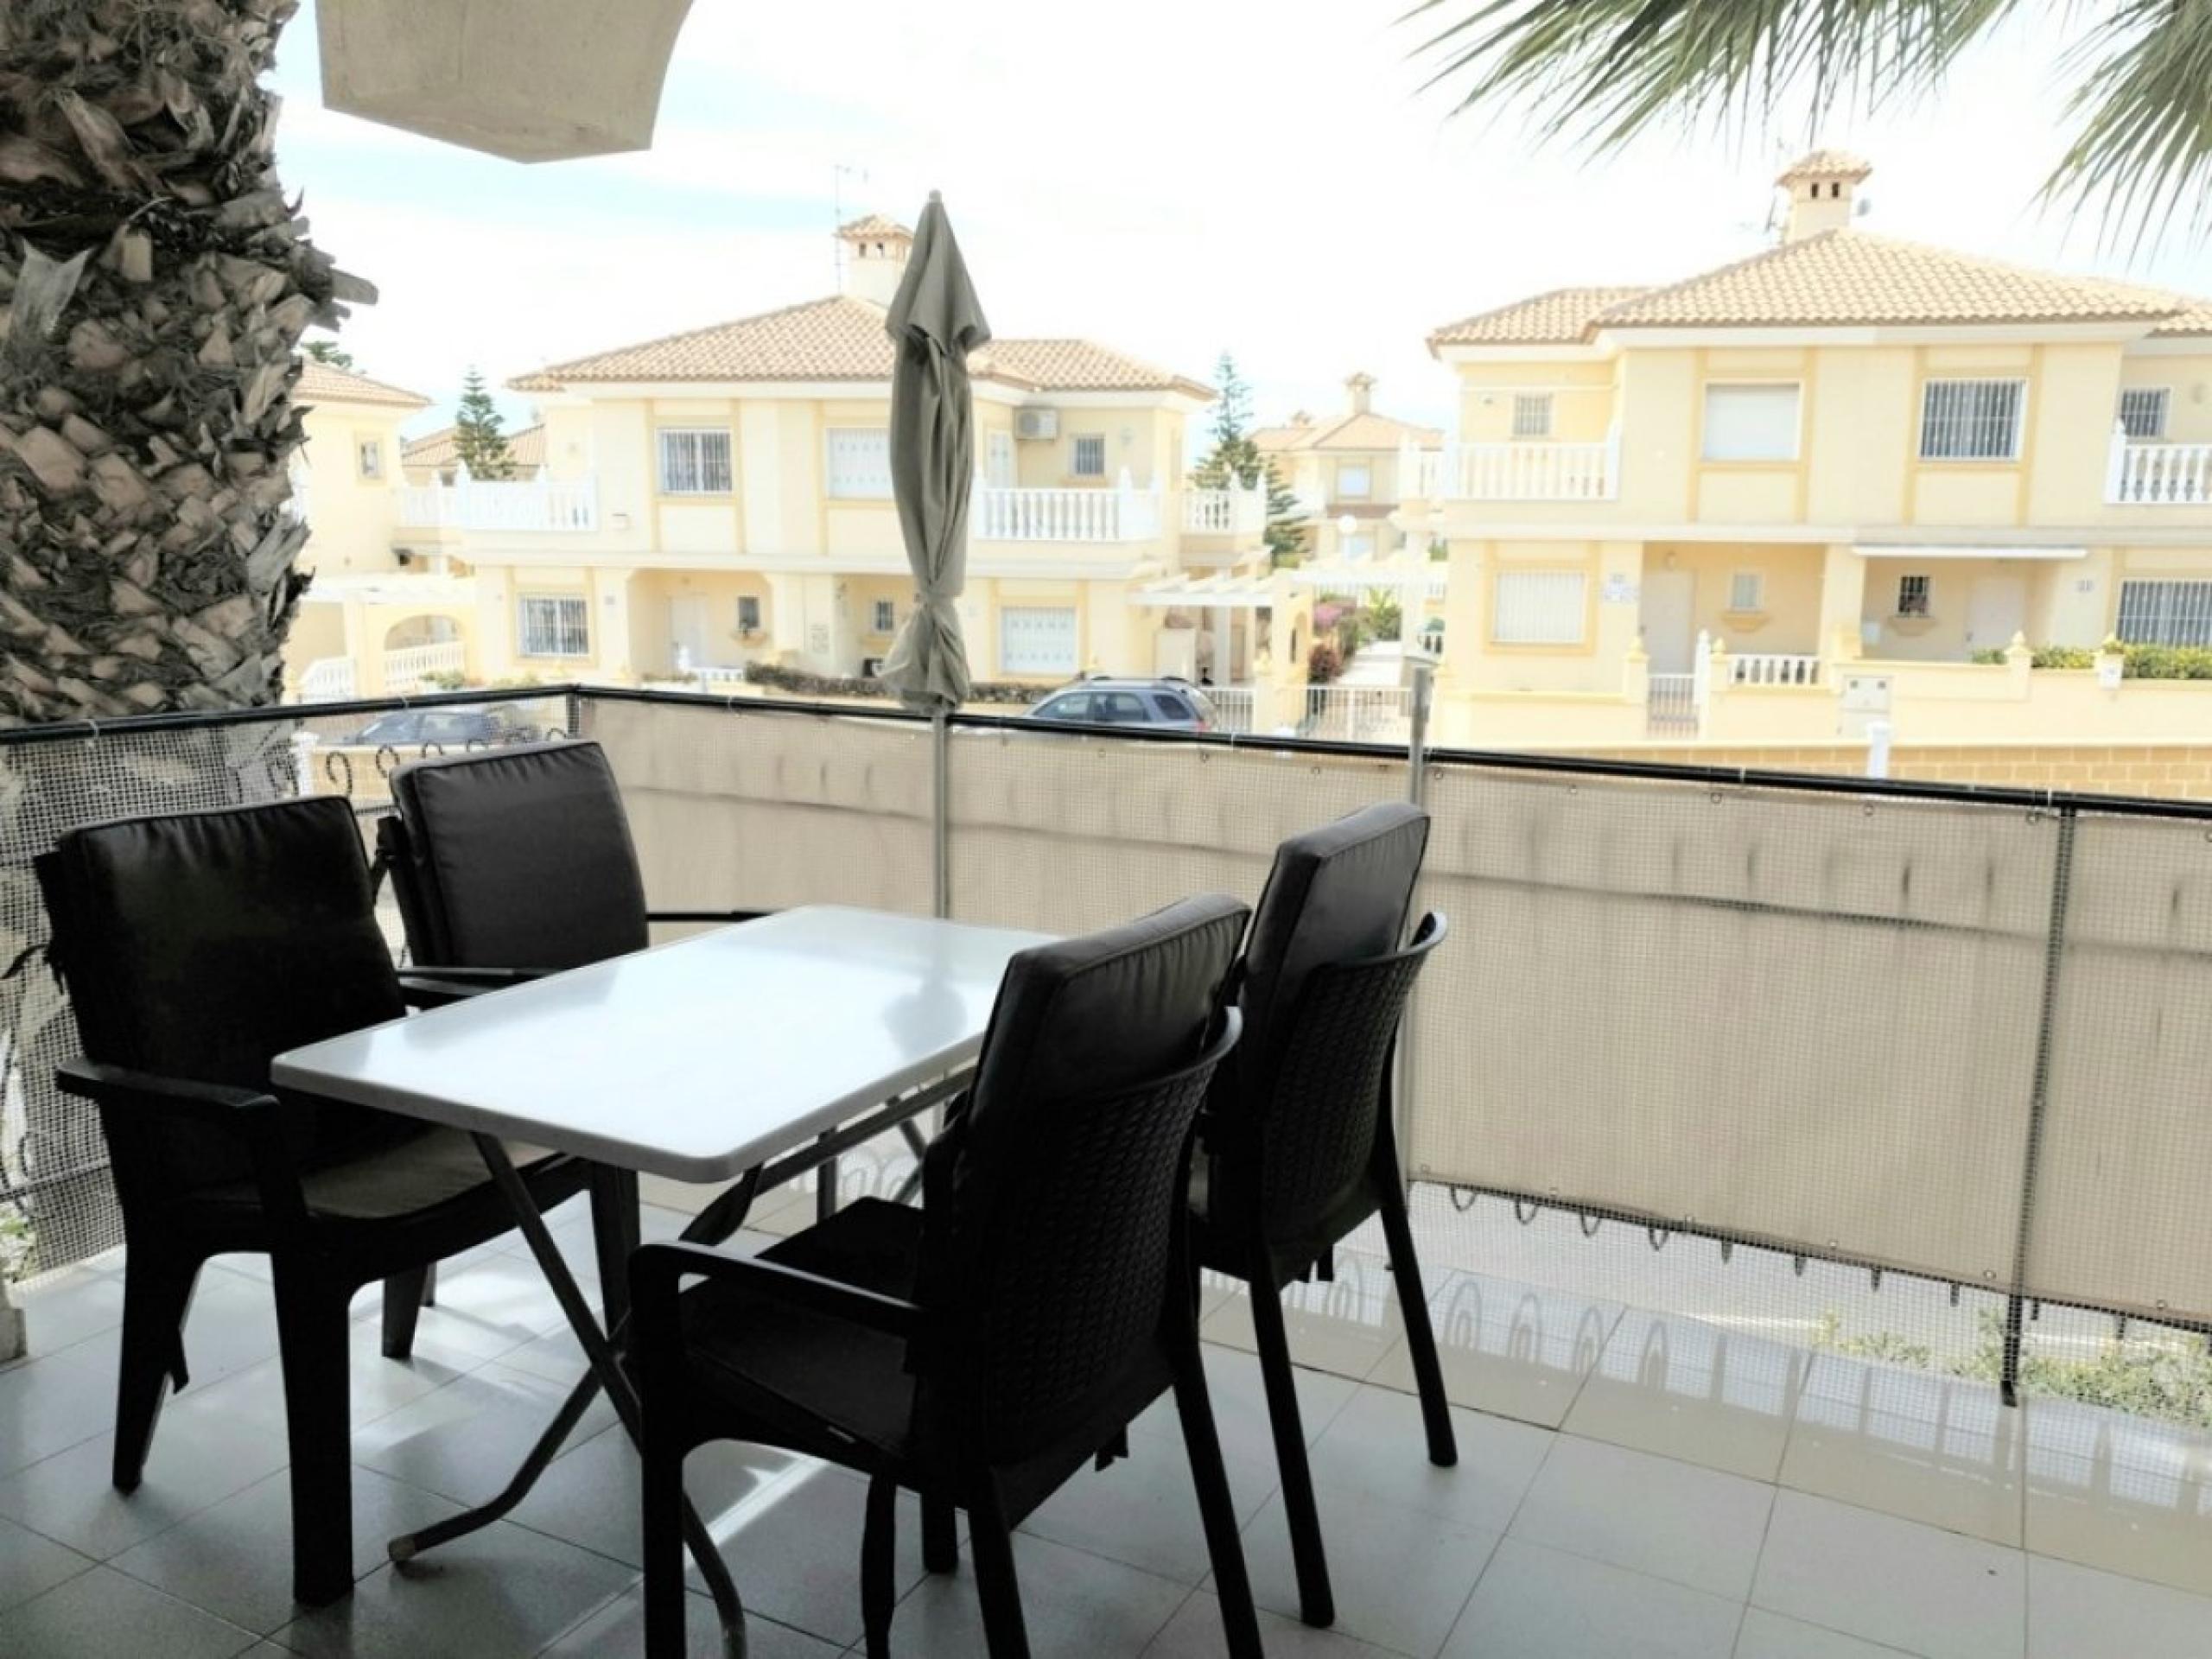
2196	319
874	224
1558	317
1368	431
1826	164
843	339
526	446
319	383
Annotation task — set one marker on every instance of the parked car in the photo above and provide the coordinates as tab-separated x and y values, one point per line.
453	727
1175	704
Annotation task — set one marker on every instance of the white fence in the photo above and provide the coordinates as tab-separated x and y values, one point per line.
2158	475
328	679
1515	472
1358	714
558	504
1234	704
1225	512
1671	710
1123	513
1755	668
407	669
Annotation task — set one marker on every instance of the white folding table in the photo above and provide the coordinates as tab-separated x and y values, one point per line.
750	1054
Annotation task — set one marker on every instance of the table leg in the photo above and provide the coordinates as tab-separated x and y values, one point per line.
825	1187
606	1372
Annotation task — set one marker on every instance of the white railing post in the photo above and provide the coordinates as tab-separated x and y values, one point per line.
1877	748
1701	679
2116	464
1612	460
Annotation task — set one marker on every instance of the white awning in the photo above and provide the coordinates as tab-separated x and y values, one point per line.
1964	551
1209	593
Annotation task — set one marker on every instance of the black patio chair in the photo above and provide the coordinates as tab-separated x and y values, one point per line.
980	1350
509	865
1297	1145
195	948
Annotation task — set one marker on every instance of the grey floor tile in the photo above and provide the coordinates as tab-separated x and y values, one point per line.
618	1631
1376	1445
376	1385
104	1615
1697	1527
1400	1576
502	1593
63	1309
235	1559
1075	1605
55	1401
1534	1603
31	1563
1143	1510
1195	1633
466	1441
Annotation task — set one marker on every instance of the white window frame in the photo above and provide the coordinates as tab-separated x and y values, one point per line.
749	603
1746	598
570	620
2168	611
1532	415
1947	430
368	458
856	463
2160	398
1534	608
1748	452
1915	595
1355	480
883	614
696	474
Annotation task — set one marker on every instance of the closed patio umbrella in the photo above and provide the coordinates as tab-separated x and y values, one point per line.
934	322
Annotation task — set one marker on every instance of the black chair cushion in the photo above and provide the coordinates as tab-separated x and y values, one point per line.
792	1370
201	946
1336	894
520	858
426	1168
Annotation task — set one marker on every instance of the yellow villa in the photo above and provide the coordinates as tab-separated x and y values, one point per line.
1791	497
722	498
1345	472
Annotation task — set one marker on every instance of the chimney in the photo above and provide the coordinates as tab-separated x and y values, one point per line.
1361	388
875	250
1822	188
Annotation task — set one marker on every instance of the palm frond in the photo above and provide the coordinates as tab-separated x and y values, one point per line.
2145	148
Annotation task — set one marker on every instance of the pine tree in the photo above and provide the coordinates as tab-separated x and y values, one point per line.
476	435
329	352
1236	459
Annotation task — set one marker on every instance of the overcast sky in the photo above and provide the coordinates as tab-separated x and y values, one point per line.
1171	177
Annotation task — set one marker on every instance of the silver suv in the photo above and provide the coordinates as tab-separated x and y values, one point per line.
1175	704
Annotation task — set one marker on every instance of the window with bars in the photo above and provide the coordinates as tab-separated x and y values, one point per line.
1089	459
1971	420
1540	608
2165	613
2143	411
886	618
1751	422
1912	595
554	625
748	614
694	460
860	463
1747	591
1532	414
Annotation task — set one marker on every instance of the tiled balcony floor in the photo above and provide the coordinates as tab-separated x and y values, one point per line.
1628	1484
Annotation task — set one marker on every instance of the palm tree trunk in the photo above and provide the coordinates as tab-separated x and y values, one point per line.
156	284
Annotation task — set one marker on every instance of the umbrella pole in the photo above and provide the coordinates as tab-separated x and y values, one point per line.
941	813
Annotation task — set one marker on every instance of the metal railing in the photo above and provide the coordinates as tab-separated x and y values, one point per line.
1919	1033
328	679
1671	707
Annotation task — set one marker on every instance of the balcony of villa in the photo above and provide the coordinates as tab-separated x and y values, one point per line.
549	506
1804	1174
2157	475
1471	486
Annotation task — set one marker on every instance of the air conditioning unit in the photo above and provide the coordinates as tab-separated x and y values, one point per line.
871	668
1031	423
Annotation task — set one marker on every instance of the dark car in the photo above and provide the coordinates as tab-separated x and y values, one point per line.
1175	704
461	728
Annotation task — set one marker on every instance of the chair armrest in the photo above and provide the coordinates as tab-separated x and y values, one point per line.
707	915
656	1270
435	988
251	1115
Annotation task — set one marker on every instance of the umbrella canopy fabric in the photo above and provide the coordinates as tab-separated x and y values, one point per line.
935	322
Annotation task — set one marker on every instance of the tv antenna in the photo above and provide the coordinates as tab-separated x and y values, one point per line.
839	172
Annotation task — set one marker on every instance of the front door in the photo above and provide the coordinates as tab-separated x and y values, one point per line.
687	631
1669	620
1997	608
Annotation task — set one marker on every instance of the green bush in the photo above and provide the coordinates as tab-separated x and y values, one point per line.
799	682
2042	656
1324	662
1387	611
2138	662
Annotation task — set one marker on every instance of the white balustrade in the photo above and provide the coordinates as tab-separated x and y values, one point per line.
409	667
1238	512
1756	668
328	679
540	504
1514	471
1359	714
2158	474
1123	513
1233	703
